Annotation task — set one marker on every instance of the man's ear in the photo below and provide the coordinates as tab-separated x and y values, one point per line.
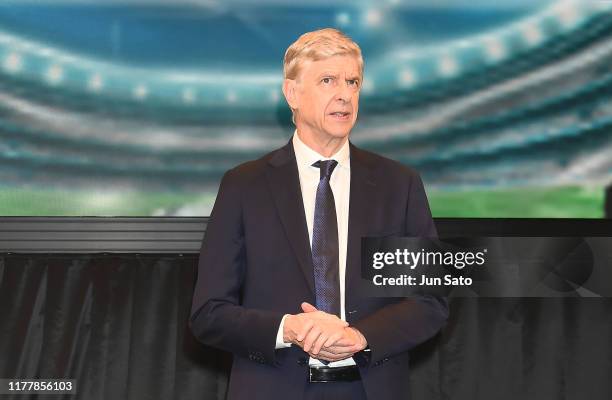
290	92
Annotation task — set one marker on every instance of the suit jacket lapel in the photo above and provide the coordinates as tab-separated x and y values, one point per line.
361	198
284	181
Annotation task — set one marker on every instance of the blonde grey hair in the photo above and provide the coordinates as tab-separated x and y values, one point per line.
319	45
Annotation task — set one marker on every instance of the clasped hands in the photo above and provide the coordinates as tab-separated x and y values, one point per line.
323	336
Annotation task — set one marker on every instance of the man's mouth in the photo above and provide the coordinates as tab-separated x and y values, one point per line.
340	114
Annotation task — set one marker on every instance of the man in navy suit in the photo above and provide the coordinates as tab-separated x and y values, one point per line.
279	272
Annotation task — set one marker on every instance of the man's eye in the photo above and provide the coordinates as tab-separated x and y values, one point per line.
326	80
353	82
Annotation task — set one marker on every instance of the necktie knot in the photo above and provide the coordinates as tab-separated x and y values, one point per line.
326	167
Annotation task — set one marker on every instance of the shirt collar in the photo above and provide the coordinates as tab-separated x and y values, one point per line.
305	156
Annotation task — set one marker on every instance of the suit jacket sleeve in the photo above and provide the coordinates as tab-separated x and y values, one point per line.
400	326
217	318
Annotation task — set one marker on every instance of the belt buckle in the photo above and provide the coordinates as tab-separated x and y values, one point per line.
326	374
310	375
312	378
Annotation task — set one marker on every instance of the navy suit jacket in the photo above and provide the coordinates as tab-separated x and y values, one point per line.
255	266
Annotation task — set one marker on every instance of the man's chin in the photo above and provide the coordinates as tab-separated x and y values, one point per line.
339	133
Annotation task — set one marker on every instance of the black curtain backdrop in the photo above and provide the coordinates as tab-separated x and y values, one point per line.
118	324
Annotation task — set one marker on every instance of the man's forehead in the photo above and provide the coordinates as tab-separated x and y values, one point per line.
341	64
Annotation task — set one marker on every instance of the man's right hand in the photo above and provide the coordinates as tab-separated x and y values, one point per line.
313	328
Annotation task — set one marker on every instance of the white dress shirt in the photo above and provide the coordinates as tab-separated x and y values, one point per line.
340	183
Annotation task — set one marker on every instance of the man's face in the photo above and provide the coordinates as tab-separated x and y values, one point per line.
326	97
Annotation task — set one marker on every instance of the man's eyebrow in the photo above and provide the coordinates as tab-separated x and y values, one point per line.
354	78
332	74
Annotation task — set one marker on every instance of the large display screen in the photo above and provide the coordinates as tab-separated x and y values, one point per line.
137	108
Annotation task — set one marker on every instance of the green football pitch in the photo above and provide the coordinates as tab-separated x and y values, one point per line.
525	202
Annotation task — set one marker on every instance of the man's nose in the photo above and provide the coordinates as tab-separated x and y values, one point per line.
344	93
